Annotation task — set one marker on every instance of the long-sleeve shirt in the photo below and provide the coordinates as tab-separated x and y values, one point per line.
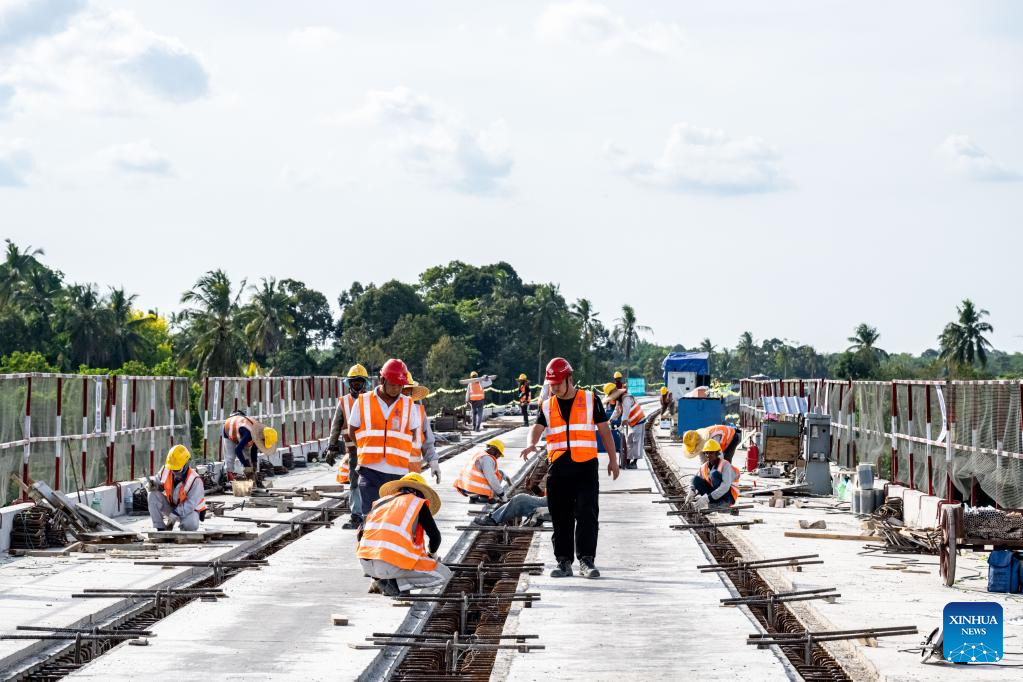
483	381
488	467
727	479
429	527
195	494
429	443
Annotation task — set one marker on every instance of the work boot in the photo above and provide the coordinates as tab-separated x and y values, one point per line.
485	520
587	569
564	570
353	522
389	588
478	499
374	587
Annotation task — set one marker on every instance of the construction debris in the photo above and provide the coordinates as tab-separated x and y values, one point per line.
807	525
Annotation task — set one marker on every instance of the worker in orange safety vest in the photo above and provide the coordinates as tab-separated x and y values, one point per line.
717	484
480	480
178	494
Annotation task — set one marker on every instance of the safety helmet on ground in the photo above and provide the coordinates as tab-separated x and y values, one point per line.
664	389
523	377
618	375
712	446
269	437
497	444
609	387
691	439
357	371
558	370
394	371
178	457
473	374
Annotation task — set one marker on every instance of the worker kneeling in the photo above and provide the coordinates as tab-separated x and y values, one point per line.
179	496
480	480
391	543
717	483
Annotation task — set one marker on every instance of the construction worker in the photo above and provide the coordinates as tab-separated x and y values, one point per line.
572	418
382	424
391	543
476	397
627	408
717	484
423	443
525	396
530	507
667	402
347	468
727	437
245	439
618	380
480	480
178	495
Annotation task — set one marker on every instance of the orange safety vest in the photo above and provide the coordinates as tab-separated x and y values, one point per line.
524	393
635	415
233	424
391	533
578	434
722	434
347	403
475	391
167	479
471	480
385	444
705	475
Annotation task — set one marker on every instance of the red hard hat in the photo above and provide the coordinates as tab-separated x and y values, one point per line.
558	370
394	371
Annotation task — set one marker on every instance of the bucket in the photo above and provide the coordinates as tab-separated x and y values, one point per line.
879	497
865	475
854	503
241	488
865	500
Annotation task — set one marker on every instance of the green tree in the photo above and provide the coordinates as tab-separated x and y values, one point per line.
20	362
266	320
590	329
626	333
86	322
746	351
448	360
963	343
19	264
863	342
127	339
546	306
213	341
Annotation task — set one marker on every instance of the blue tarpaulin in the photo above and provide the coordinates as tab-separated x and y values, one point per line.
686	362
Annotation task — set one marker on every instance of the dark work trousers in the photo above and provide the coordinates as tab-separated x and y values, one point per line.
730	450
477	414
525	413
573	492
702	487
354	496
370	481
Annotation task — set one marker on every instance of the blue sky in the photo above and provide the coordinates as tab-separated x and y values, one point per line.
788	168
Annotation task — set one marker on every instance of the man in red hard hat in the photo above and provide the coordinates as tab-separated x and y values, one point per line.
572	418
383	424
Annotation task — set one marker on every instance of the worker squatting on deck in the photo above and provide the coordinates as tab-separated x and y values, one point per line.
572	418
480	480
348	468
717	483
178	495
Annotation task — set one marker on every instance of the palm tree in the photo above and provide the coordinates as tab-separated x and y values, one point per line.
18	265
546	305
86	321
746	350
706	346
267	320
126	339
583	313
626	332
216	342
783	356
863	339
962	342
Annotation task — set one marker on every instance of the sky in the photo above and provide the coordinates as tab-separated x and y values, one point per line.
788	168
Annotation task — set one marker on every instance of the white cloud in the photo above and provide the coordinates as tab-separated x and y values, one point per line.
434	142
101	61
313	38
308	179
136	159
16	164
705	160
964	157
595	25
23	20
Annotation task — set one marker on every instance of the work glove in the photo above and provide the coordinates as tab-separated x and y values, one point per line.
435	470
702	502
330	458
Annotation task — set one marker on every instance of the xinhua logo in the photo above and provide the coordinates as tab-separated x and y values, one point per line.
972	632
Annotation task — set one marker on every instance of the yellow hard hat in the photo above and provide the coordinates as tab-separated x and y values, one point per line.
691	439
358	371
664	389
523	377
608	387
473	374
269	437
618	375
497	444
178	457
712	446
413	480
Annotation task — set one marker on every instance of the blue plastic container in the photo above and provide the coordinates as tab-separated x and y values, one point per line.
695	413
617	438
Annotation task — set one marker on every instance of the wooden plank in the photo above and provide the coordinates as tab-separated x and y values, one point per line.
832	536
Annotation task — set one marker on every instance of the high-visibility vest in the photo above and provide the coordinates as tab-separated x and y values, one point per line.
722	433
705	475
343	474
524	393
388	533
475	391
471	480
385	444
578	434
635	415
232	426
166	478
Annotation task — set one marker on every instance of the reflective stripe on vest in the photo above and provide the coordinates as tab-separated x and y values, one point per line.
722	434
635	414
578	435
384	444
233	424
705	475
342	469
475	391
166	478
471	479
388	533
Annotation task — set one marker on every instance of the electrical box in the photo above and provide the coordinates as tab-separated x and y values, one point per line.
817	448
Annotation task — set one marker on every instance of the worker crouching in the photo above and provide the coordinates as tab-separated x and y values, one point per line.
178	495
246	439
480	480
717	484
392	545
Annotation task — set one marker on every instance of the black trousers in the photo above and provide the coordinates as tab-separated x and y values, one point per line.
525	413
573	493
